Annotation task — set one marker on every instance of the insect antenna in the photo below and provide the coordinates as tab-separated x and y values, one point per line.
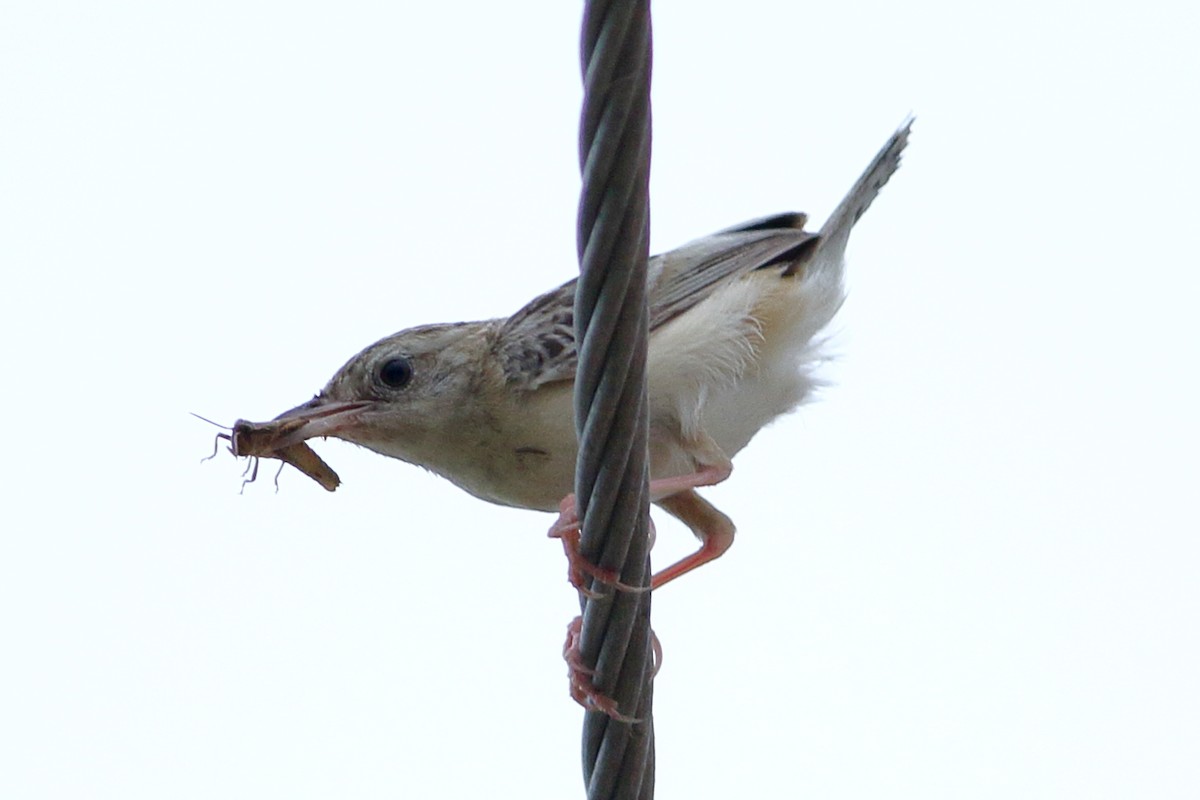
218	438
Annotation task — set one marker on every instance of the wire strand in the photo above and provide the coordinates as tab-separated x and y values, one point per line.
611	409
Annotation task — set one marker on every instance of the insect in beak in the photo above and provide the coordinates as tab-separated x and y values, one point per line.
257	440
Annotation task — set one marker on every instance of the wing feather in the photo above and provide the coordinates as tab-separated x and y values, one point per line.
536	345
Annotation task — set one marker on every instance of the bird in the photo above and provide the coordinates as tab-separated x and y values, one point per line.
736	322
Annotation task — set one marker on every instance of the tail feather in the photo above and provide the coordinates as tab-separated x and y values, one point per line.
836	231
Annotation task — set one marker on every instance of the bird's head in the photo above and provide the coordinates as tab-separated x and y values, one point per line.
398	396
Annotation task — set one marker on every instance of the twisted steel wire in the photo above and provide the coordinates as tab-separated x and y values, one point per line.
611	410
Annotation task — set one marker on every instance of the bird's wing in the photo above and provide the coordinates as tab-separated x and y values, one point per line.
682	278
536	345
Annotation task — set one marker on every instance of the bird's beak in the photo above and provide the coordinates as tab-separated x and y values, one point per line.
321	417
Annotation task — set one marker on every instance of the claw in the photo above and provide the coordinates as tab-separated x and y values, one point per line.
583	691
567	528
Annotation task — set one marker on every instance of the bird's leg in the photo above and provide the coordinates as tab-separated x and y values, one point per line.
676	494
712	466
713	529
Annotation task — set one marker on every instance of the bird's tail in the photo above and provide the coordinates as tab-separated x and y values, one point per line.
836	231
820	291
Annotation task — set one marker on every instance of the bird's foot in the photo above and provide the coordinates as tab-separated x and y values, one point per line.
579	569
583	691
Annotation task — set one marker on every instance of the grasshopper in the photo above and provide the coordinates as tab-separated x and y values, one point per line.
257	440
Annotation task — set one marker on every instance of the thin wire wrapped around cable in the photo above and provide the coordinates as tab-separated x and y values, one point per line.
611	410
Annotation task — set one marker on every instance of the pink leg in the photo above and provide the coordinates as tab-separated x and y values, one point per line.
676	494
713	529
707	475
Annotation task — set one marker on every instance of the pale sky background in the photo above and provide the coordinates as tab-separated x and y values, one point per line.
968	571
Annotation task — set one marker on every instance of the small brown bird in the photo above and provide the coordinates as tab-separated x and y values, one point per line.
734	324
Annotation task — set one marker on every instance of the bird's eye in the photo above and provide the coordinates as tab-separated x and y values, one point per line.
396	372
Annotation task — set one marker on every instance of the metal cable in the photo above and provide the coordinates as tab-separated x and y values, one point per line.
611	410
